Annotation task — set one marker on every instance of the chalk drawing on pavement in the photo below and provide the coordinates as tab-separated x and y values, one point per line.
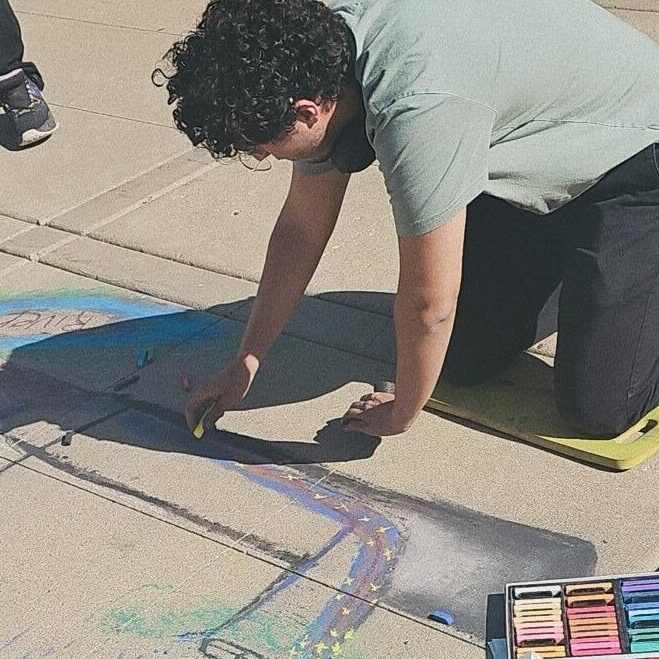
89	319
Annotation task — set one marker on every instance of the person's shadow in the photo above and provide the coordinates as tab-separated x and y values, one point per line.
47	378
54	346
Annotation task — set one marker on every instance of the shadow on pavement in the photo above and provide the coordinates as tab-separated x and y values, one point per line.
51	378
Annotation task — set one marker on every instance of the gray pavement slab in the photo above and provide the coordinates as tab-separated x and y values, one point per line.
233	212
639	5
89	155
220	221
144	453
271	430
155	276
115	78
10	227
132	194
149	15
278	534
645	21
111	581
433	493
35	242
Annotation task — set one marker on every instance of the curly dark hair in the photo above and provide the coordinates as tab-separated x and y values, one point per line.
236	76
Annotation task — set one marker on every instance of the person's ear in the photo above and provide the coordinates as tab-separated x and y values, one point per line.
307	111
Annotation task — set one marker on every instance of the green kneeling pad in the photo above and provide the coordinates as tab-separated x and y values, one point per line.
520	402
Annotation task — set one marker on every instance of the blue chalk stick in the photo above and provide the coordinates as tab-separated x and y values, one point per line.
442	616
498	648
143	358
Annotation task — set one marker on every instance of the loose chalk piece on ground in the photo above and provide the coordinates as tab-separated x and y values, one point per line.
126	382
186	382
143	357
67	437
442	616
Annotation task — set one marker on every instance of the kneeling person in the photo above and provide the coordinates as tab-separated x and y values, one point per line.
518	155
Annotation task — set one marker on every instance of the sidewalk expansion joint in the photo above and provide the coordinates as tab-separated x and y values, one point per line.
629	9
108	197
203	169
28	219
230	316
174	300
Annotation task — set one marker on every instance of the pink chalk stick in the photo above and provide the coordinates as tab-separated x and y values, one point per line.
583	648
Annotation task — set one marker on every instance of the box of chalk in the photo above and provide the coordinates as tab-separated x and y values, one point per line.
607	617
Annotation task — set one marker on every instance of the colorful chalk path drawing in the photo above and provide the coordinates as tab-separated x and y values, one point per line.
379	545
29	319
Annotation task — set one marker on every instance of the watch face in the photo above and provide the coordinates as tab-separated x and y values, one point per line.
352	151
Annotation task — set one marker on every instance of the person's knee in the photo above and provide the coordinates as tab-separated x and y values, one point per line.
593	416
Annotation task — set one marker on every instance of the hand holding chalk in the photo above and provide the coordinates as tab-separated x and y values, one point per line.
219	394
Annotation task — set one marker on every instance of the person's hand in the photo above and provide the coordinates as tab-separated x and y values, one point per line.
374	414
221	393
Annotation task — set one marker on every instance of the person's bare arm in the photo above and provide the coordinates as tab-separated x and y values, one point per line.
424	313
296	245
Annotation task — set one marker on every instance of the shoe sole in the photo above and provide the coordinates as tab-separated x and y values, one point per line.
33	136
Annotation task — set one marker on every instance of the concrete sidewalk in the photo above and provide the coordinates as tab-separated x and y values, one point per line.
278	535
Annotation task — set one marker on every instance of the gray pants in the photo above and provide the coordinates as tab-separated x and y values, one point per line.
602	249
11	45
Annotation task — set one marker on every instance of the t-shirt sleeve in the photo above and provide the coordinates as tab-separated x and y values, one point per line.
433	152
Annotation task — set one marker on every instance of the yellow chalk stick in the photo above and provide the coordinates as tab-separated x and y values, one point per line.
198	432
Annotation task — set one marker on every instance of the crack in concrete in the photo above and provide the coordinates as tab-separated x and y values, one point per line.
84	21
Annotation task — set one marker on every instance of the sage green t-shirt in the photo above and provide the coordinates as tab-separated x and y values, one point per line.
531	101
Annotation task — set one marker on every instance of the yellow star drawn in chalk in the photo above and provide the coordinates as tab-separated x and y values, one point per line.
334	633
345	611
348	581
304	642
337	650
383	529
364	519
318	497
349	634
370	542
374	588
339	596
388	554
321	647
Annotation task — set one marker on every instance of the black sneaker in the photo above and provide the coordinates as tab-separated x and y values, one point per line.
26	108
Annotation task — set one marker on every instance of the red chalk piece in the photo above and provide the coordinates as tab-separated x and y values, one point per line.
186	382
